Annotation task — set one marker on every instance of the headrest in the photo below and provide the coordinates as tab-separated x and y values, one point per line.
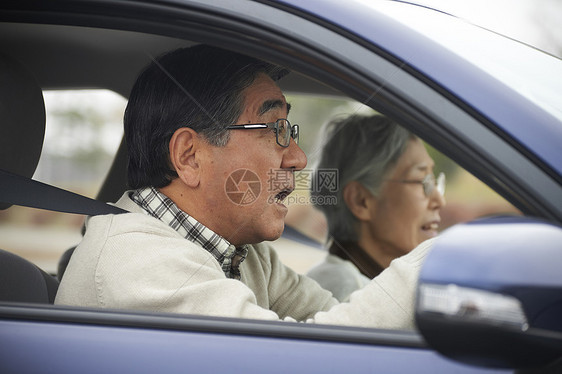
22	119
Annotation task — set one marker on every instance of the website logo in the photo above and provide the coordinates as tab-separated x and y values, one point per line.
242	187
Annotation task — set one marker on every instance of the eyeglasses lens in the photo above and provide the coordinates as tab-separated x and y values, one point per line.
282	132
441	184
429	184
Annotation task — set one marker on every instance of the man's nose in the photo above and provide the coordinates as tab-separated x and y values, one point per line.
294	157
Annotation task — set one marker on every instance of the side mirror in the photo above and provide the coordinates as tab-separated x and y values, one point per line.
490	293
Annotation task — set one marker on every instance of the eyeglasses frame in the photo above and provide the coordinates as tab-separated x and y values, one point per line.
429	183
293	129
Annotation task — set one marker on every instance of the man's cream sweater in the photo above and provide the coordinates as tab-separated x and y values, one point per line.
134	261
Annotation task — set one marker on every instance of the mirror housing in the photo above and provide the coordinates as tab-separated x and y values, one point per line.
490	293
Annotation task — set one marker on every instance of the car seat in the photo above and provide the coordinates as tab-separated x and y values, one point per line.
22	281
22	130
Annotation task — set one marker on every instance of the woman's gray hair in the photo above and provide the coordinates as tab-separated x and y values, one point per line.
363	149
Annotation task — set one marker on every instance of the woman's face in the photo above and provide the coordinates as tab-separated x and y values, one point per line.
401	215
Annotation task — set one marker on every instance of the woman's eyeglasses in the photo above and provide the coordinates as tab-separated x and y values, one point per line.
429	183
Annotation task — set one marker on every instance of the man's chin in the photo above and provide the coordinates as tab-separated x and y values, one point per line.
267	235
273	233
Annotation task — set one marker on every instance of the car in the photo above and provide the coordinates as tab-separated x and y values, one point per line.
490	293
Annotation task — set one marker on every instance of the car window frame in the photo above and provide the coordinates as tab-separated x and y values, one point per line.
408	97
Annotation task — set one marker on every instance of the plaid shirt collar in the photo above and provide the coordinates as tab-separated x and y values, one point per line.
158	205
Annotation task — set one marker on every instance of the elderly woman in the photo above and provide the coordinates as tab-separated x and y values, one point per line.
387	202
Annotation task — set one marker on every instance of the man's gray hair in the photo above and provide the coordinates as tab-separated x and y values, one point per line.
363	149
201	87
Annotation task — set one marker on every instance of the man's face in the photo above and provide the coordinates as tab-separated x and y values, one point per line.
245	181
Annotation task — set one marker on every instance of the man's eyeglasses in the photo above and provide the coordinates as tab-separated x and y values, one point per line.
429	183
283	130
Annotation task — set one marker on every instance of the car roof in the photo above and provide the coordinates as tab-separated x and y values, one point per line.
66	56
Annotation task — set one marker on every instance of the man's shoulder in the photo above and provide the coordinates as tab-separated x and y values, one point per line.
125	227
112	225
136	220
110	239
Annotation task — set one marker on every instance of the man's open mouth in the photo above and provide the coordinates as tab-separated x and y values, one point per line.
282	195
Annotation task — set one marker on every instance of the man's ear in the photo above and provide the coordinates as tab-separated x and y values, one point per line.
183	149
359	200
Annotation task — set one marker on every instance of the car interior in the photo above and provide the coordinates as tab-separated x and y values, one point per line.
29	65
22	133
55	57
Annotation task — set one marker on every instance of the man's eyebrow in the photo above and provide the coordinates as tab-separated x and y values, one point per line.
268	105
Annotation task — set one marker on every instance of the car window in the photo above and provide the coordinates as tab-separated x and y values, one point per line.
82	142
467	197
83	131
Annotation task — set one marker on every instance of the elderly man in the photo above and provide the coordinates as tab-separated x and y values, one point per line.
203	126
